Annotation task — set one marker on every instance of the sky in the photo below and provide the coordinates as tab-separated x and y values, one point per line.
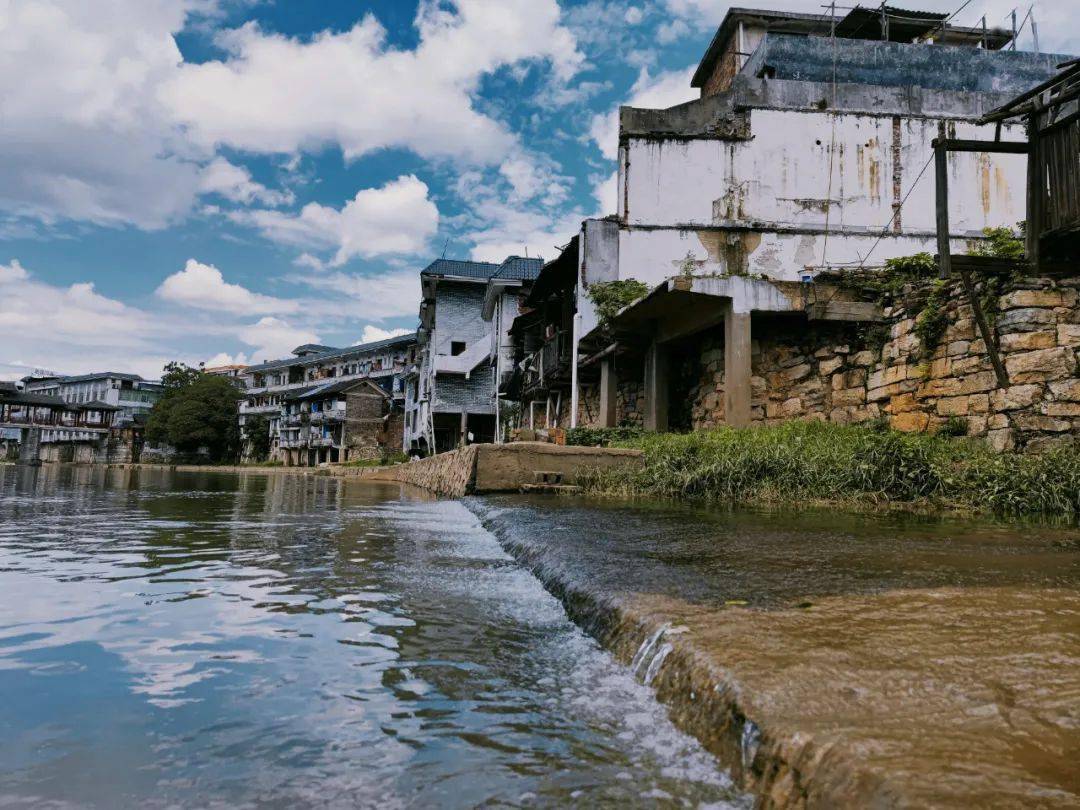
219	181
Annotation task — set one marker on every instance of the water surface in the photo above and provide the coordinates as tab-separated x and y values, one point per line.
201	639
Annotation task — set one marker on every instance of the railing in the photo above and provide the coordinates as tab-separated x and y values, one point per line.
246	409
548	362
320	417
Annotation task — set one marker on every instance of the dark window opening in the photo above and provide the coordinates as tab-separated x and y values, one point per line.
457	347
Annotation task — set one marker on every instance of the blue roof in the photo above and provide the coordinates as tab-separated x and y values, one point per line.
333	353
518	267
460	268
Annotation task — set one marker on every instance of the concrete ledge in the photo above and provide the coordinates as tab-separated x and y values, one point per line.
482	468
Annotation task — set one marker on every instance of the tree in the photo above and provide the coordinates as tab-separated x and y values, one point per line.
197	410
257	436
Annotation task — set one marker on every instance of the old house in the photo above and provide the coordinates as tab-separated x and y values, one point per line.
347	420
45	427
268	386
808	156
451	395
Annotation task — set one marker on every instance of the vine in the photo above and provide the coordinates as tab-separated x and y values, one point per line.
611	296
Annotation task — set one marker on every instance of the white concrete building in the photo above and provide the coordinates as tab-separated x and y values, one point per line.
807	152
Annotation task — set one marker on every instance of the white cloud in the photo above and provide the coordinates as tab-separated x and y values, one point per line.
660	92
351	88
672	30
605	192
12	272
374	333
395	218
530	179
274	338
236	184
633	15
376	297
202	286
84	136
226	359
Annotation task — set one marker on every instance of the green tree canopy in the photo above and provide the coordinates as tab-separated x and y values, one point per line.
197	410
257	436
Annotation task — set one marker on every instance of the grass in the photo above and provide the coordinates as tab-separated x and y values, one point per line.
815	462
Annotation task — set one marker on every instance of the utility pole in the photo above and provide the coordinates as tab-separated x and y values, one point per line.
1034	28
1014	29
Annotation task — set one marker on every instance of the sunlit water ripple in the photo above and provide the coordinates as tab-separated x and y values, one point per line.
172	639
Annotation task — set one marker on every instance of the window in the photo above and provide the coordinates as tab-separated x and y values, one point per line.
457	347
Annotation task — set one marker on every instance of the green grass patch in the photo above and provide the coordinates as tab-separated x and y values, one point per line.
815	462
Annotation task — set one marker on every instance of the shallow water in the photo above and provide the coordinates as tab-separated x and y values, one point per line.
272	640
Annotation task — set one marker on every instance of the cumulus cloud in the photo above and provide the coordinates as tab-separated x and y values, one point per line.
274	338
397	217
530	179
277	94
652	92
13	271
376	297
203	286
236	184
373	333
605	192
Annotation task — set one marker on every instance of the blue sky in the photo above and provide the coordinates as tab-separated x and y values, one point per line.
220	180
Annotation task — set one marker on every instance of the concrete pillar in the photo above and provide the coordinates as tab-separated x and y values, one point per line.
656	388
736	368
608	392
30	447
464	429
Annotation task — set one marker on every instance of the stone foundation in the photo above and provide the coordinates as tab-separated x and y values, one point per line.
850	373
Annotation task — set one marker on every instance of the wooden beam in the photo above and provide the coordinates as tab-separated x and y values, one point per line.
941	159
984	330
1003	147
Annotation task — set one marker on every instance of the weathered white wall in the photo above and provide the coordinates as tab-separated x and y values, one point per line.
781	176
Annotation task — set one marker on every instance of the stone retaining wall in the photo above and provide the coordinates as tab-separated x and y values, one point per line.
451	474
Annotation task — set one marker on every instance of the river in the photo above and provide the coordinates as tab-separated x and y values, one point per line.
234	640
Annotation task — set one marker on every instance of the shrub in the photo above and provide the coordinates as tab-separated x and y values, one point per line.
610	296
602	437
811	461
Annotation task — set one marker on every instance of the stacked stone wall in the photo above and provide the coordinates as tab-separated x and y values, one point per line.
449	474
849	374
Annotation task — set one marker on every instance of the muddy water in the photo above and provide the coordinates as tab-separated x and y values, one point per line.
223	640
835	660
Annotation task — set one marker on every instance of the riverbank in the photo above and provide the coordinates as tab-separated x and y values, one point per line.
831	660
811	462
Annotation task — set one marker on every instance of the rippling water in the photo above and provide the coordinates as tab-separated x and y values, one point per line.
271	640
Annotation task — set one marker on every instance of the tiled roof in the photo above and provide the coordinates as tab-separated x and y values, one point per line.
333	354
96	405
314	348
518	267
101	375
24	398
462	269
331	388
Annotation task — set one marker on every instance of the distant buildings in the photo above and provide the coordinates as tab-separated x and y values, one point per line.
305	399
466	309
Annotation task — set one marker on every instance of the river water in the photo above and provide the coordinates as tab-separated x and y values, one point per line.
197	639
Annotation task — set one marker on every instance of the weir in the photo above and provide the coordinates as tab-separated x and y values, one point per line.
819	657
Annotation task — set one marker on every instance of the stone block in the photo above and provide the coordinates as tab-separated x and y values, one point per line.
1043	424
1062	409
1031	298
892	374
902	403
1041	365
976	425
886	391
963	329
1026	320
1018	396
955	386
1029	341
911	422
1066	389
997	421
798	372
1001	440
840	416
957	348
978	403
953	406
1068	334
1044	444
827	367
849	396
791	407
864	358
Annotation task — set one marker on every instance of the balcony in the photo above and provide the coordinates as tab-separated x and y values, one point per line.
549	364
465	362
324	417
259	409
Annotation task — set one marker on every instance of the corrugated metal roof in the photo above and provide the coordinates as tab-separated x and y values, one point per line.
460	268
333	354
315	348
519	267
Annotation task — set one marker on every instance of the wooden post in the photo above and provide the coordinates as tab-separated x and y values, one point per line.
608	392
941	159
1036	189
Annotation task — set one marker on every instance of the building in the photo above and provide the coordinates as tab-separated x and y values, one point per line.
128	398
451	394
346	420
808	155
43	427
270	387
234	372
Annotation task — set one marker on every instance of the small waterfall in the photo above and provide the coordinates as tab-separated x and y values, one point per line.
656	663
749	741
646	651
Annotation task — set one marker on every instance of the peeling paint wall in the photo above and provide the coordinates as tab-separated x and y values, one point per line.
803	170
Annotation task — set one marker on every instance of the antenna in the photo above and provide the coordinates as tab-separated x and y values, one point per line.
447	242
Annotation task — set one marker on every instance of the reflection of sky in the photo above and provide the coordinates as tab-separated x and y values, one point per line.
273	637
